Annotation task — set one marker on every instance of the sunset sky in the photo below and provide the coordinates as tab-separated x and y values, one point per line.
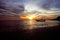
16	7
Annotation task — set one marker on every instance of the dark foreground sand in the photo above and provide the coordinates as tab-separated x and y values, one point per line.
13	30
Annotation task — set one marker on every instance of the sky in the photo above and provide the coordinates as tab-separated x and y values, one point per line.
42	4
16	6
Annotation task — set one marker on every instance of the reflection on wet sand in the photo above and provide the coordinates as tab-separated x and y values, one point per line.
31	24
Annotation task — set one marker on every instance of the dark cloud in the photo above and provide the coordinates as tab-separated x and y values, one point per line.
12	6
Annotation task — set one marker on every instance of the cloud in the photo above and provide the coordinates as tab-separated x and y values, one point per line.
51	6
18	6
44	3
12	5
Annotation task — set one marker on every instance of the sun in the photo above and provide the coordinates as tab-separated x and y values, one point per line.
31	17
28	17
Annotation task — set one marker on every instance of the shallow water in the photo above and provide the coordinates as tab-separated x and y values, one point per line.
13	25
39	24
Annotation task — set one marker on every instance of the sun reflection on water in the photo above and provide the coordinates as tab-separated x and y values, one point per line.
33	24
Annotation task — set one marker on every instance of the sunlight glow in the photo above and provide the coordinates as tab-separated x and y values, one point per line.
31	8
31	17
